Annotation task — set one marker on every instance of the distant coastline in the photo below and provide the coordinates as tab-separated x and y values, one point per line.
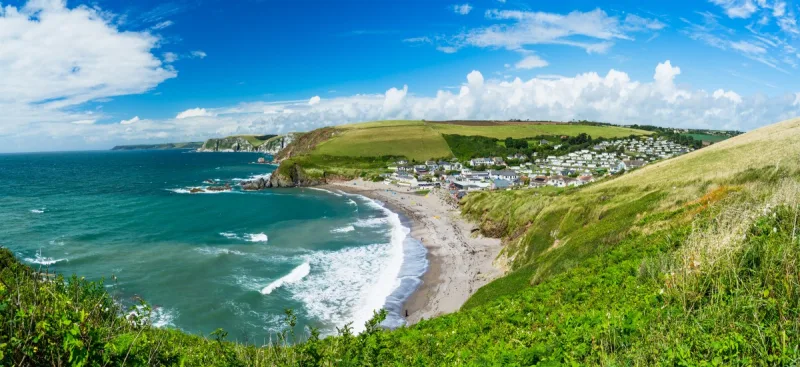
165	146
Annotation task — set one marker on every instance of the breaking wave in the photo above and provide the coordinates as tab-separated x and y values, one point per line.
344	229
296	275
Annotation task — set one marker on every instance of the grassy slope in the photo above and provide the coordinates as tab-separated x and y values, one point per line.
409	139
691	261
707	137
531	130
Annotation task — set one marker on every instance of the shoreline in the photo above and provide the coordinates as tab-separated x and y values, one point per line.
458	263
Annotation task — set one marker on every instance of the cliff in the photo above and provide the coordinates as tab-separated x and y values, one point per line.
270	144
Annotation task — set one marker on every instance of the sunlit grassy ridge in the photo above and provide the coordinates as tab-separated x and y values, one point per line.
523	130
409	139
693	261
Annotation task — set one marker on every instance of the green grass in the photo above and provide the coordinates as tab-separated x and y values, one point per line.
529	130
414	141
422	192
708	137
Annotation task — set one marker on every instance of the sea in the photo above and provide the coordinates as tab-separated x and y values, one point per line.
234	260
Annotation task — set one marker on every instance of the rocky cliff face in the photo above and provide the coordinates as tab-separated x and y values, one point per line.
287	175
229	144
275	145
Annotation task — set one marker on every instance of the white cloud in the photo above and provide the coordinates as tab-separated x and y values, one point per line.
84	122
54	58
170	57
730	95
463	9
314	100
531	62
611	97
198	54
39	61
594	31
162	25
737	8
128	122
194	112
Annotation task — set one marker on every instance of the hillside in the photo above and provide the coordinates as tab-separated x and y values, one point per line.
365	149
165	146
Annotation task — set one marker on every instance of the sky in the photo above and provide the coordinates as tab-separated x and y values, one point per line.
78	75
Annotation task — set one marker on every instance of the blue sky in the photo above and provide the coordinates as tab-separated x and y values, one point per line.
91	74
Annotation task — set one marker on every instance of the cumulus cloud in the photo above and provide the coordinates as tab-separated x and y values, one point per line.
194	112
463	9
314	100
198	54
128	122
611	97
54	58
531	62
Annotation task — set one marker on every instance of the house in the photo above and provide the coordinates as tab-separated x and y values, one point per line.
402	162
538	181
557	181
421	169
518	157
405	179
631	164
586	179
507	175
475	162
499	184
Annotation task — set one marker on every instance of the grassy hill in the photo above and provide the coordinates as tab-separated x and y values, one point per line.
526	130
690	261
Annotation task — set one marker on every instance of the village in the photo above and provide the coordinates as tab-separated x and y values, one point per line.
519	171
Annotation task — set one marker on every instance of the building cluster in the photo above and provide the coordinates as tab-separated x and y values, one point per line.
573	169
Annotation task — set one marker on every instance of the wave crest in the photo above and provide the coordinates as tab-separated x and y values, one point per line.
297	274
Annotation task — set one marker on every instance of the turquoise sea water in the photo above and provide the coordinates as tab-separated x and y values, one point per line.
233	260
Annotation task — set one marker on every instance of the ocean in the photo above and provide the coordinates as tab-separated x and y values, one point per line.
233	260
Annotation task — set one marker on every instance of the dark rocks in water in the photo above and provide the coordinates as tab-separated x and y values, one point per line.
255	185
262	160
227	187
195	190
209	181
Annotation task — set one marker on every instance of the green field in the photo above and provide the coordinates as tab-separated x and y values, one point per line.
414	141
708	137
530	130
420	140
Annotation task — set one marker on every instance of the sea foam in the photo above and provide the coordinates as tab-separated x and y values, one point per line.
352	283
297	274
257	237
43	260
37	211
344	229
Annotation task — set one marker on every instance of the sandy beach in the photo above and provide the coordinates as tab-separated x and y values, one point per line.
460	262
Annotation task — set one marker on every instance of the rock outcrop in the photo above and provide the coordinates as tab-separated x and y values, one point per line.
287	175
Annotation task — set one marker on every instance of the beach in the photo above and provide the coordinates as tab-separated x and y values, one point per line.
460	260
